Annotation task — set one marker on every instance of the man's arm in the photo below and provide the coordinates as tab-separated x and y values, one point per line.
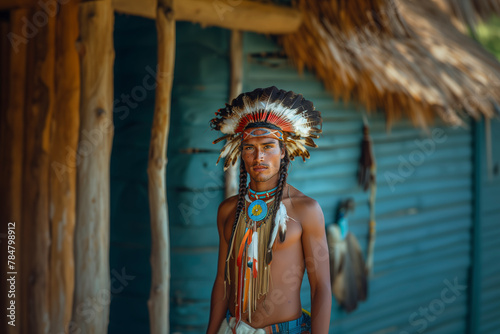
218	305
318	266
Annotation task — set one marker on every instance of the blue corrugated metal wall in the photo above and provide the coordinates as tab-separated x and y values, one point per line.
130	233
490	232
424	203
195	190
195	184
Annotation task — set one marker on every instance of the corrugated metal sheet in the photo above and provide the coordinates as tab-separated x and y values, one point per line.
423	221
194	193
490	233
194	183
130	234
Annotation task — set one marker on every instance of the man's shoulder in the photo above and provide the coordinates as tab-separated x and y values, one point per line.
301	201
229	203
227	207
307	208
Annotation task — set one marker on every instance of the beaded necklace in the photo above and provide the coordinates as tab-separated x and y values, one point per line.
257	209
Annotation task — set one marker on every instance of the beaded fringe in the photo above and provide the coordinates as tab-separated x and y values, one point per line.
260	286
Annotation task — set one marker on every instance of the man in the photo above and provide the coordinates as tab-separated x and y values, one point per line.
270	232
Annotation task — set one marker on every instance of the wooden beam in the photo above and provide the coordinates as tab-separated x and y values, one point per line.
158	303
14	4
243	15
65	126
92	281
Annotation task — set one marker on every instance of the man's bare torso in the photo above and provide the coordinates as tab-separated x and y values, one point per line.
282	303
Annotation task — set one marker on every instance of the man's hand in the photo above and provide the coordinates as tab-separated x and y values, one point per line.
218	305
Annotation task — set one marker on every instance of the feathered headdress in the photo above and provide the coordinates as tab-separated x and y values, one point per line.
286	110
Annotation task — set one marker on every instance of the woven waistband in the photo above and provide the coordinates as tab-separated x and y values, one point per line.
301	325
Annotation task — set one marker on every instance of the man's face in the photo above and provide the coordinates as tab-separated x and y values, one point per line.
262	157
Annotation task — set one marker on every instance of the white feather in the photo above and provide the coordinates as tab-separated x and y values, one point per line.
297	145
280	223
298	120
253	249
228	148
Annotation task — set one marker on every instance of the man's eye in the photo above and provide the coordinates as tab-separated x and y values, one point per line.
247	148
268	147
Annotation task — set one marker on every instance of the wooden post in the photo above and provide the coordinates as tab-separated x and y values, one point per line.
65	125
12	102
35	220
13	143
158	302
236	59
92	283
5	167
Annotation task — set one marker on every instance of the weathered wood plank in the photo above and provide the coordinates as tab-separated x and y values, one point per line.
36	192
92	282
158	303
5	167
65	125
13	79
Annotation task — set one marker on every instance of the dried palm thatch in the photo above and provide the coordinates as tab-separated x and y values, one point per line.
405	57
470	11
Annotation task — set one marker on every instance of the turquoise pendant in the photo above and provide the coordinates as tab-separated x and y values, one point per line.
257	210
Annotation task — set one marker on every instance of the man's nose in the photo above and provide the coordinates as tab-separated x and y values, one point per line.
259	154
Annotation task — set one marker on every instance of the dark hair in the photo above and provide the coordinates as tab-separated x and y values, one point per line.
242	192
262	125
283	173
241	201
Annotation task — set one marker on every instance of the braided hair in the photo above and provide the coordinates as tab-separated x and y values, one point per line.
283	173
239	207
242	191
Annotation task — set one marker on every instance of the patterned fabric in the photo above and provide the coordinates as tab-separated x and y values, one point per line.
262	132
302	325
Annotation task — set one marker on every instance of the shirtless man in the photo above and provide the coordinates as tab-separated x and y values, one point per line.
269	224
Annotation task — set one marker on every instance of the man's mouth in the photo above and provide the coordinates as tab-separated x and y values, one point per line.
259	168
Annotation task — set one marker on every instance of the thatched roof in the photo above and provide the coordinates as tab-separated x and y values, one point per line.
407	57
470	11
